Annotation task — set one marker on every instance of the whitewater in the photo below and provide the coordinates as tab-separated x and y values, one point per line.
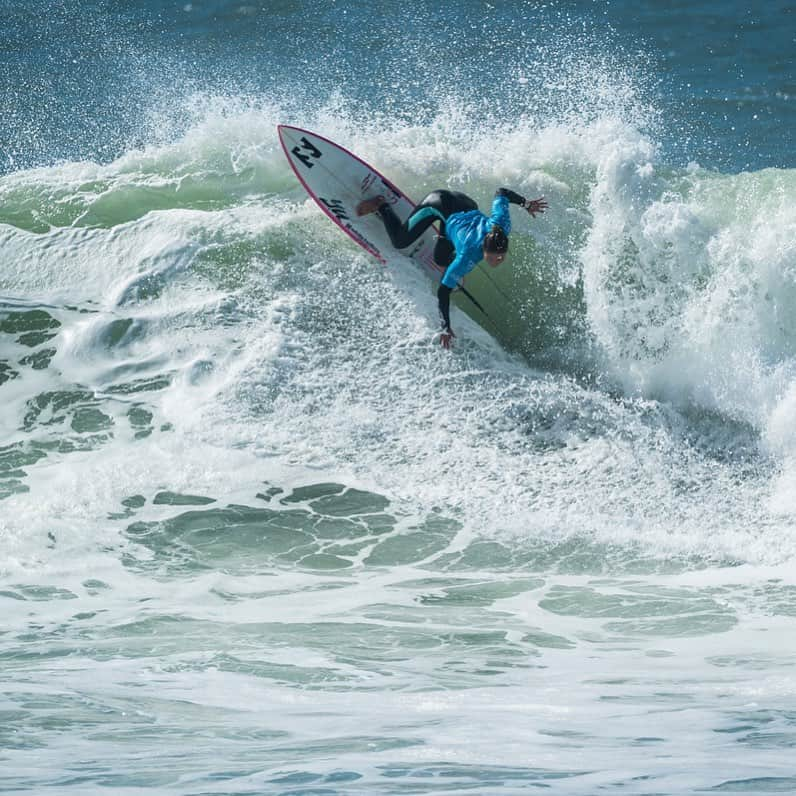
260	534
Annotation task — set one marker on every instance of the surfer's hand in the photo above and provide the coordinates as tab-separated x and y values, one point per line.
446	338
534	206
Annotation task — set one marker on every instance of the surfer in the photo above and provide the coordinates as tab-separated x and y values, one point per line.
466	237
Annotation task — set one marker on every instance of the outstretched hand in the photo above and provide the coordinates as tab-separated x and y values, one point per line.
446	338
534	206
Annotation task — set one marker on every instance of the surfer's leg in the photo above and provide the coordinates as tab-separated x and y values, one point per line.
403	234
400	234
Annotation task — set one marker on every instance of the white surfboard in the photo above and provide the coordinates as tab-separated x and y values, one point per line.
338	181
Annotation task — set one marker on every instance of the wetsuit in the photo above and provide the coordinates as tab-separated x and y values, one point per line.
463	228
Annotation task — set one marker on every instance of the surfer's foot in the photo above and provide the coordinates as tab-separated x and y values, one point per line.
368	206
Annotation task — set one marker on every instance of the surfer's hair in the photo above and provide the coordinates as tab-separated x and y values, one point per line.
496	240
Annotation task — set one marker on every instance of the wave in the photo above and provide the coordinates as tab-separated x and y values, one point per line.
202	301
681	279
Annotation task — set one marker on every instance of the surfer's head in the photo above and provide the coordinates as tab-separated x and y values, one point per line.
496	244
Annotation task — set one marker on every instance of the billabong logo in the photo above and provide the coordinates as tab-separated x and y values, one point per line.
311	152
336	206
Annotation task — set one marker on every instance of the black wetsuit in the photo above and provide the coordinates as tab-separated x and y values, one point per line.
446	203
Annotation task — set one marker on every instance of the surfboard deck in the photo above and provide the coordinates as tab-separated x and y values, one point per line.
338	180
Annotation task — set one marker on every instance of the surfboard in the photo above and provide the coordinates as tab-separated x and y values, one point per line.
338	180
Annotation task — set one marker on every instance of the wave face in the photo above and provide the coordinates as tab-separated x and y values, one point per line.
257	529
198	275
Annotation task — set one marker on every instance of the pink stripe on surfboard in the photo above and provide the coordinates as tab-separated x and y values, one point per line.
312	193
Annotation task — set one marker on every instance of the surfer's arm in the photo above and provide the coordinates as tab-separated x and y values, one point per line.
450	281
512	196
500	208
444	299
457	270
533	206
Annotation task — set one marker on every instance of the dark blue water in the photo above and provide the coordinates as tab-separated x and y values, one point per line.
78	80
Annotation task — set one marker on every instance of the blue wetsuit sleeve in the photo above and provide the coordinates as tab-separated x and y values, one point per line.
455	271
500	213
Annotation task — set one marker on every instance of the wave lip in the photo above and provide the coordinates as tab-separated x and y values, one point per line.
689	282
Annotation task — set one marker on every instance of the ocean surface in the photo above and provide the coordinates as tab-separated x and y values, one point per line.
260	534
